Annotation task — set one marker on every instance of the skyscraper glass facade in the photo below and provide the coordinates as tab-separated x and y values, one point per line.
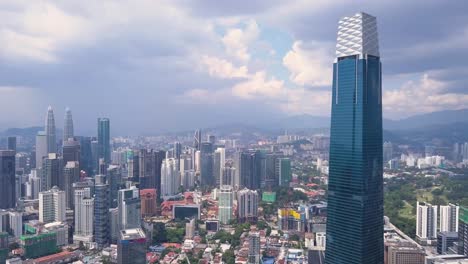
104	139
355	198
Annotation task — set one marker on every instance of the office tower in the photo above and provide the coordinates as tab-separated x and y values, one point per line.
101	215
50	131
114	225
52	206
212	139
170	177
387	151
7	179
114	179
71	174
41	148
68	125
102	168
426	222
188	179
355	200
131	247
448	215
4	247
272	170
463	231
52	168
445	240
177	151
284	171
15	220
219	160
129	208
225	204
104	149
71	150
133	165
84	216
254	248
150	162
197	140
148	202
11	143
95	156
229	173
206	169
247	205
86	156
252	169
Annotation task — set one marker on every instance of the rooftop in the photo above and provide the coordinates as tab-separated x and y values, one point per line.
131	234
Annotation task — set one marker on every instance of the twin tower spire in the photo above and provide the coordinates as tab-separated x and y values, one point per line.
51	131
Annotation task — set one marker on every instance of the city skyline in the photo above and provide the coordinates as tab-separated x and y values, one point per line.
233	49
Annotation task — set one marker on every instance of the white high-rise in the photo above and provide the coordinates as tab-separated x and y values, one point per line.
52	206
448	216
426	221
84	216
170	177
68	125
50	131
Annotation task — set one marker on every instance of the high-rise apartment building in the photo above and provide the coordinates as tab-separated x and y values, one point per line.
68	125
84	216
7	179
52	206
355	197
104	148
247	205
50	131
448	218
150	162
225	204
426	222
228	176
252	169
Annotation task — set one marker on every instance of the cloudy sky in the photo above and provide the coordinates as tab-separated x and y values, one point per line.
166	65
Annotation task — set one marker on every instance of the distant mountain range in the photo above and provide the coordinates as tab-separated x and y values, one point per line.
450	123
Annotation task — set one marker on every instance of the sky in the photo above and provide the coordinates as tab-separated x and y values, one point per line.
157	65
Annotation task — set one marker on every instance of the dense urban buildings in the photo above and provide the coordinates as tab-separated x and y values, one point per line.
355	187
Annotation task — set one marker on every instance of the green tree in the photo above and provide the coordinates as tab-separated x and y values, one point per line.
159	233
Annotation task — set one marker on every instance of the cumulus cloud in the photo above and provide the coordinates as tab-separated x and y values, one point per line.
422	96
258	86
309	64
221	68
37	31
237	40
304	101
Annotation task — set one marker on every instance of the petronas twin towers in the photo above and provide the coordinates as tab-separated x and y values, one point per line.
50	130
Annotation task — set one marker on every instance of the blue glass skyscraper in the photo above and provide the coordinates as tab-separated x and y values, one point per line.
355	190
104	148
